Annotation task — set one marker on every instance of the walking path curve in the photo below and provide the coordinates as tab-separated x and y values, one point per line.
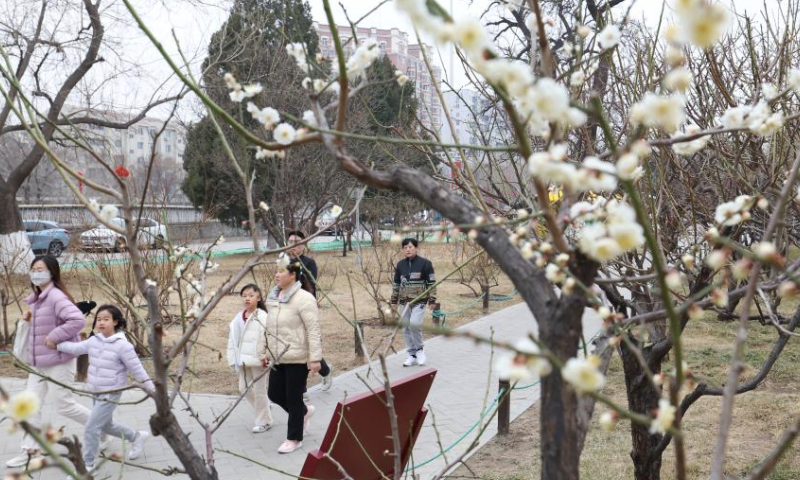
463	387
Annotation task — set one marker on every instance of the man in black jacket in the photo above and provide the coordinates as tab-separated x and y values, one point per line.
413	277
297	252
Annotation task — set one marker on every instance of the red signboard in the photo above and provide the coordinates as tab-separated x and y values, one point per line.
359	436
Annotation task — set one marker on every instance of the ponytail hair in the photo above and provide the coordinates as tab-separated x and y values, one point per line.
301	276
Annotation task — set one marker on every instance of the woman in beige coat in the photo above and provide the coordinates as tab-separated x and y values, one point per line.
294	348
247	347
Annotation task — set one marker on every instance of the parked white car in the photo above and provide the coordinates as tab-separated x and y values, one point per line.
151	233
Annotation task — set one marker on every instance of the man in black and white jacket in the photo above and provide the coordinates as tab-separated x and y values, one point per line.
412	278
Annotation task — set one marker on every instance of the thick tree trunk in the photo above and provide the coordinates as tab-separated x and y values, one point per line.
642	398
558	418
485	290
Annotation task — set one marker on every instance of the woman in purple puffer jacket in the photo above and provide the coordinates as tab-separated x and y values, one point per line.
54	319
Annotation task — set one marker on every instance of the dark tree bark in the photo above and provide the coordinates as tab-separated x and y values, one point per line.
642	398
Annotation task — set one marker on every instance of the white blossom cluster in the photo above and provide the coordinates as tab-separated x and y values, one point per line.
238	92
298	52
693	146
732	213
583	374
702	22
552	166
620	232
525	363
758	118
362	58
541	100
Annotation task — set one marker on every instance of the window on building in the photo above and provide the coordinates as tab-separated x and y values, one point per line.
382	46
131	151
169	149
140	145
118	143
325	40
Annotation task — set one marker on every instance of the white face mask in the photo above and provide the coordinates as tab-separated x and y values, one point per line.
40	278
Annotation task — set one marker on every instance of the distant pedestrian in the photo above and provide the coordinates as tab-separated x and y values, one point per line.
298	251
54	318
247	348
111	358
294	346
413	276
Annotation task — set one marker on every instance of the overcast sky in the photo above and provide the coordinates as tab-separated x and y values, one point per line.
194	30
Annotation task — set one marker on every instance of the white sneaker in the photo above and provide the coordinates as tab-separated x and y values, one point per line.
410	361
261	428
327	381
421	358
22	459
137	446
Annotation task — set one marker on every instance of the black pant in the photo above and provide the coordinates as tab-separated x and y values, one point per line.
287	382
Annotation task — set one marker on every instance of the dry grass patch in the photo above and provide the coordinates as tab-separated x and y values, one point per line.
759	417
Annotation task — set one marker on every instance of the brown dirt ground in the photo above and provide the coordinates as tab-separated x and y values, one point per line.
210	372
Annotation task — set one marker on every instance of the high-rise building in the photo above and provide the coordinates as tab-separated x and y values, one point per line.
131	148
405	56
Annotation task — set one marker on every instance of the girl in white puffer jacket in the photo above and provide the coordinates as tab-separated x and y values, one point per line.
247	347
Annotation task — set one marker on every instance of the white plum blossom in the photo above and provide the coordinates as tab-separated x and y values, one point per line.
584	31
554	273
523	364
298	52
93	205
608	421
609	37
252	90
620	233
763	121
734	117
769	90
267	116
674	56
678	80
263	206
231	82
688	148
362	58
628	167
577	78
107	212
310	118
667	112
336	210
284	134
597	175
704	23
793	80
717	259
664	417
583	374
469	33
547	100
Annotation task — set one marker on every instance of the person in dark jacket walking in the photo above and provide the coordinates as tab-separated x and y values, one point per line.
413	276
298	252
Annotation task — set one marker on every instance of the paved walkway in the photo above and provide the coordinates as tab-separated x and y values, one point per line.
463	386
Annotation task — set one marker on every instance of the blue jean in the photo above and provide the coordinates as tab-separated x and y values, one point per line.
101	420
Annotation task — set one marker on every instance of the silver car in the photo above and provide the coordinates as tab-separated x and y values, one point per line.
150	233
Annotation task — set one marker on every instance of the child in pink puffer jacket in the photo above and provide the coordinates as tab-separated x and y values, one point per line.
111	358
